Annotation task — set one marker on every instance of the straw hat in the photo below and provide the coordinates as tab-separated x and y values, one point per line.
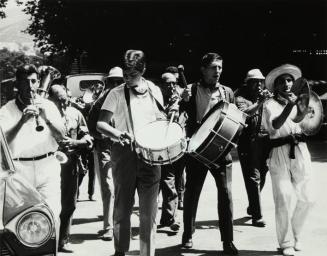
254	74
292	70
115	72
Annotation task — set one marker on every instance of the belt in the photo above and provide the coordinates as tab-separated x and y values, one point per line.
35	158
292	140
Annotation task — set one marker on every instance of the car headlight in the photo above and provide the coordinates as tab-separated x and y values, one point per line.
34	229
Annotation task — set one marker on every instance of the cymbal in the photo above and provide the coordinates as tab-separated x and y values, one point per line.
312	121
302	90
300	86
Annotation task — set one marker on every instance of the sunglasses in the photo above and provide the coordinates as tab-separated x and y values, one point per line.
171	83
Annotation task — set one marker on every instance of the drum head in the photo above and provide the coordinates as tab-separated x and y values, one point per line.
159	134
203	132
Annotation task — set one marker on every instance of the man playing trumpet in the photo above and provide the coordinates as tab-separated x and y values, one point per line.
253	147
32	150
289	160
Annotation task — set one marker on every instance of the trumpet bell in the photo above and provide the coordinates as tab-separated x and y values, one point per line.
313	120
61	157
88	96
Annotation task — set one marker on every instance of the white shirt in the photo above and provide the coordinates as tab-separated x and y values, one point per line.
143	107
271	110
29	142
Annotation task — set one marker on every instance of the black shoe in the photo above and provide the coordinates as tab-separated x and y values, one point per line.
119	253
180	205
229	248
65	249
258	223
175	226
187	243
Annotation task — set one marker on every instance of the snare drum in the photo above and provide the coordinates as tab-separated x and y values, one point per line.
160	142
218	133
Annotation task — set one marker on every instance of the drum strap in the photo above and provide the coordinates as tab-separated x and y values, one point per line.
128	102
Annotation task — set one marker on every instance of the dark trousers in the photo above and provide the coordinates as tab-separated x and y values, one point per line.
195	176
253	154
169	194
179	167
69	188
88	164
172	189
129	175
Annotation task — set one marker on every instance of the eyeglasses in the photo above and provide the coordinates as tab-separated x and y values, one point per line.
32	81
171	83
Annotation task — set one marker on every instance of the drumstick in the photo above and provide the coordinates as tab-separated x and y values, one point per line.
170	121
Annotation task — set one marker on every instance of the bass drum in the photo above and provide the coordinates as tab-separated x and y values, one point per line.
160	142
218	133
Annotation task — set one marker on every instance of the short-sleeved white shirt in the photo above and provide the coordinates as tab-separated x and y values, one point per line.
29	142
273	109
143	107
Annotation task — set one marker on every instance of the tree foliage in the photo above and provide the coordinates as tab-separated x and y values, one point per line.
246	33
9	61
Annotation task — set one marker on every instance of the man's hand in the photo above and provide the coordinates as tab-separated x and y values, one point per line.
125	138
186	94
69	143
291	97
29	112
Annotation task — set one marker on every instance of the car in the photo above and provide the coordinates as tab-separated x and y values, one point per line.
26	222
81	84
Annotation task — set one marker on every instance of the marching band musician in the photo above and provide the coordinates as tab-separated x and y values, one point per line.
127	108
76	138
198	100
170	172
289	161
102	154
253	143
32	150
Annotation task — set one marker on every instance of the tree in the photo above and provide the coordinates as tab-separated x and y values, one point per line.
9	61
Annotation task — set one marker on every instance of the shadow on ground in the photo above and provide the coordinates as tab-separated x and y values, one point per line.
85	220
244	221
80	238
178	251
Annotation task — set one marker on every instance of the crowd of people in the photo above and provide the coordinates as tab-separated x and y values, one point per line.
271	141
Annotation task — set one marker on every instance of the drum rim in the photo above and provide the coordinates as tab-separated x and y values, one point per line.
210	137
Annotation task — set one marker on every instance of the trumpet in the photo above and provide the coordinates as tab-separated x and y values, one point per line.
39	127
264	94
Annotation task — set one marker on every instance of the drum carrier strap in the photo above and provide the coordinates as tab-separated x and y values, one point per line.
128	102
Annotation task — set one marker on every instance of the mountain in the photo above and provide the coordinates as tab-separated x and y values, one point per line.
11	31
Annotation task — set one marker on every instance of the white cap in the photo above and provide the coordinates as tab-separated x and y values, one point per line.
254	74
115	72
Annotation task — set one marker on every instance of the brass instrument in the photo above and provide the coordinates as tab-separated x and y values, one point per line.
47	75
61	157
92	93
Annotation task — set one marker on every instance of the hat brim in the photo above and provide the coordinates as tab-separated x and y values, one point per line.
292	70
257	77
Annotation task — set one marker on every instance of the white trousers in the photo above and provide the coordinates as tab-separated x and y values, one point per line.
44	176
289	177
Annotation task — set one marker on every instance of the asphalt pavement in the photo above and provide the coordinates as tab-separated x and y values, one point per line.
248	239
